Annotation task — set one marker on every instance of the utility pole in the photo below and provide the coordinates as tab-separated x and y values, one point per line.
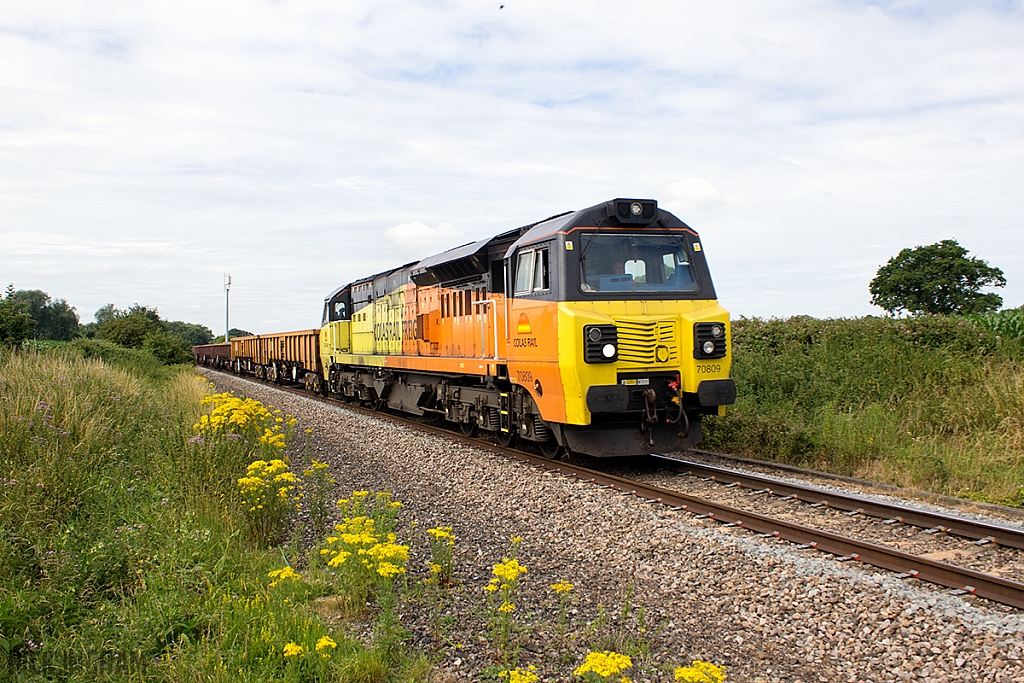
227	308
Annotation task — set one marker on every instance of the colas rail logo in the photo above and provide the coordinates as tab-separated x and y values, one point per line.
523	327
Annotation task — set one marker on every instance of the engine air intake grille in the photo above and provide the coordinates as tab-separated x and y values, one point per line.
648	341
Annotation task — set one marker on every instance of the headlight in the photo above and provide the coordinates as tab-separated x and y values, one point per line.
600	344
717	331
709	347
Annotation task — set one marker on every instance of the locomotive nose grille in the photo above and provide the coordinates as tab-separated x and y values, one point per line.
647	341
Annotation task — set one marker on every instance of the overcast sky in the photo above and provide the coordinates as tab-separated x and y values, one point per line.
147	148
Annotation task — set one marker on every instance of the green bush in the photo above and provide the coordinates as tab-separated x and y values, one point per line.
930	401
168	349
133	360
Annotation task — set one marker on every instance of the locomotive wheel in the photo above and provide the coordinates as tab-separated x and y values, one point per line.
506	439
550	449
468	428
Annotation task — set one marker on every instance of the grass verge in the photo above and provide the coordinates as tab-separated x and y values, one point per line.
932	402
125	553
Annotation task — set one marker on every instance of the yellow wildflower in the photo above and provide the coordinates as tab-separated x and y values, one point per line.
507	607
292	650
339	559
284	574
519	676
387	569
509	570
562	587
325	645
700	672
605	664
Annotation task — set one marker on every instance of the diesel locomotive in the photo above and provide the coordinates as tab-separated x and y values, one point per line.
596	331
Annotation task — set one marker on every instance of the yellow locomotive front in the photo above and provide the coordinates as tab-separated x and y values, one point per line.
615	330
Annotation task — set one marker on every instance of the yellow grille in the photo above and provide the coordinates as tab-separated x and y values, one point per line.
639	341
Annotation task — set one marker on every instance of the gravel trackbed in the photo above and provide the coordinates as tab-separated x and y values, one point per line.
762	608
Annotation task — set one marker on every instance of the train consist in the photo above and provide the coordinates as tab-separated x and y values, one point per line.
596	331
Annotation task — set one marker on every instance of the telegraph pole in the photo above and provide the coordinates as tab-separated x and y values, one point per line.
227	308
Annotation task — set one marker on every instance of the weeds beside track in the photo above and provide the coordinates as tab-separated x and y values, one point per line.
934	402
124	553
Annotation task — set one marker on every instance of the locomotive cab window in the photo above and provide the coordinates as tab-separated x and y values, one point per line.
635	263
532	271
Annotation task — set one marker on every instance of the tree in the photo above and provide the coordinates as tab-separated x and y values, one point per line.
130	328
191	333
54	319
168	348
105	314
15	322
937	279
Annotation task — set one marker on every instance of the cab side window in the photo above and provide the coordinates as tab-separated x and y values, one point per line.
524	272
532	272
540	270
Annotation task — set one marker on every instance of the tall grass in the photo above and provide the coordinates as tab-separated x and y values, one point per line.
122	547
931	402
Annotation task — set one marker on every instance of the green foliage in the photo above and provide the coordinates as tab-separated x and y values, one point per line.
191	333
15	322
121	552
105	314
137	361
141	327
131	327
167	348
55	320
1007	324
938	279
931	401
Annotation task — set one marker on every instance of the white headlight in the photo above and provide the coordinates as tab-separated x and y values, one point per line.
709	347
608	350
636	208
717	331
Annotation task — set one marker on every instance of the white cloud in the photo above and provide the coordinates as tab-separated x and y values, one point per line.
695	193
146	149
414	240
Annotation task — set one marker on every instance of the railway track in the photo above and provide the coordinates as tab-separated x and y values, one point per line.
981	532
959	580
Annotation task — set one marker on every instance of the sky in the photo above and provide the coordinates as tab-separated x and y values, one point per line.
148	148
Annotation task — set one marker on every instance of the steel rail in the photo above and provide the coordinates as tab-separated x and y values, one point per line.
960	579
905	564
984	532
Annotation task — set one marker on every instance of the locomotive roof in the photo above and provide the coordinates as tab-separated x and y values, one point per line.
473	256
608	213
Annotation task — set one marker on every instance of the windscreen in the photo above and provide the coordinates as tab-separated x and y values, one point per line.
614	262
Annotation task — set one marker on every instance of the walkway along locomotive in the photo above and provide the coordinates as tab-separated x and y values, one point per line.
596	331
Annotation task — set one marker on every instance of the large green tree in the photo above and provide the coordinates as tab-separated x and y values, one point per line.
15	322
938	278
131	327
192	333
55	319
